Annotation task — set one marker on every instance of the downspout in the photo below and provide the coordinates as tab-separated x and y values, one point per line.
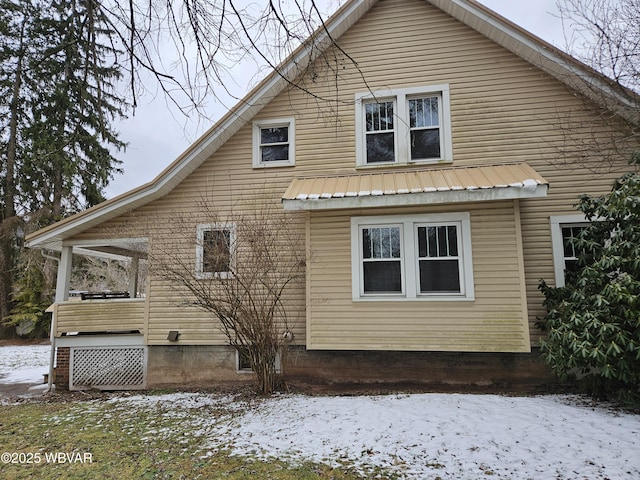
52	336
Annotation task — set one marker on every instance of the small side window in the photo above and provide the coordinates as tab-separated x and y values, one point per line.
569	234
564	228
274	143
215	251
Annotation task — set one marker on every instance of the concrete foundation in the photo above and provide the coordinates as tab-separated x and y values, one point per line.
203	366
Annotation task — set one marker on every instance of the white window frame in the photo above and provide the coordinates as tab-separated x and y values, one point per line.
409	253
401	97
401	259
258	125
199	267
557	245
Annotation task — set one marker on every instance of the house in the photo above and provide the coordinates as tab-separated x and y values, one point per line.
433	172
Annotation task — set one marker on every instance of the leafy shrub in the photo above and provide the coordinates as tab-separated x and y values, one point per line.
593	322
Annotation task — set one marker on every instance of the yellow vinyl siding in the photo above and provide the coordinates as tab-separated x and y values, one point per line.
492	322
503	110
99	316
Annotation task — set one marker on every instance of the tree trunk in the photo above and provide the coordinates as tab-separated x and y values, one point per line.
9	221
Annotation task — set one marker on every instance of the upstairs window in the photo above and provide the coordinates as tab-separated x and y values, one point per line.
273	143
215	251
403	126
380	134
424	128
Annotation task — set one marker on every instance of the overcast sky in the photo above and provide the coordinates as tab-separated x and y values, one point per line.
157	134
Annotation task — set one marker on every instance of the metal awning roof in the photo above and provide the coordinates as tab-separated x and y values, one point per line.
416	187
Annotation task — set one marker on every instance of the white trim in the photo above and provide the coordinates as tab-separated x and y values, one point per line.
377	223
527	47
217	135
556	223
207	227
84	247
409	267
106	242
257	126
400	98
531	46
63	277
132	339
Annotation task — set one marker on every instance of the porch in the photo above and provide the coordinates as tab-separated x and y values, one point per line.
108	316
98	336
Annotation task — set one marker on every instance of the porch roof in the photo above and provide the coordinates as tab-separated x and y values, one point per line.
416	187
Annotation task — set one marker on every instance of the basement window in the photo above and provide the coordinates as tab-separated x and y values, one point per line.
243	361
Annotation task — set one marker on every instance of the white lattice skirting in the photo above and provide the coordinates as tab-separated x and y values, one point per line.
108	368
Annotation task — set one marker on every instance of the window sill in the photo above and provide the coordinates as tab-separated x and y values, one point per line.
421	298
375	166
213	276
274	165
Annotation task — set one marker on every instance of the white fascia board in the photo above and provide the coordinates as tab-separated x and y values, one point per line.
539	47
412	199
209	143
118	340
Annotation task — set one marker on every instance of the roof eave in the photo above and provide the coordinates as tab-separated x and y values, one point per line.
575	74
51	237
505	33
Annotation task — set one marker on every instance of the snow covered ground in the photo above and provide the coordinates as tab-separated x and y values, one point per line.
415	436
24	363
418	436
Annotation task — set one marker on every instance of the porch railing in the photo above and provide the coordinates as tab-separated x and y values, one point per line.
94	316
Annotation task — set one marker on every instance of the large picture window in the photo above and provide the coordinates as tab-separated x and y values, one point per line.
403	125
412	257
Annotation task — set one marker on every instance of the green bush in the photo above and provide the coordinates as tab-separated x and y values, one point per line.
592	324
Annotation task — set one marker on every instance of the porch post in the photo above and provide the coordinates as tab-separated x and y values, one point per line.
133	276
64	275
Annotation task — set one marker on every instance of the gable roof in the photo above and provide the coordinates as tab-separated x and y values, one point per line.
471	13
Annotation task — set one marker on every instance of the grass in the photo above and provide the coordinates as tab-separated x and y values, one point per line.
123	439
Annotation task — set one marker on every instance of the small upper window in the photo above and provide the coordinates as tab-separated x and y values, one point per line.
215	251
403	126
273	143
